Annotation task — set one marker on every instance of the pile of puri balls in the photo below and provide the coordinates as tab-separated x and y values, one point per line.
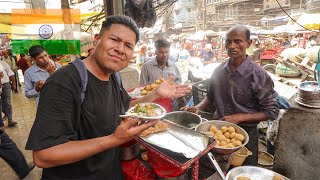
151	87
226	137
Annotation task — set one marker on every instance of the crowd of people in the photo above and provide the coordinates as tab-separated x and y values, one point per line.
76	133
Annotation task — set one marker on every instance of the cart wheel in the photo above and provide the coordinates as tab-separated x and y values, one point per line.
270	68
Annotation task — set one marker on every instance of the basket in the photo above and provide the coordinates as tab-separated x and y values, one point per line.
205	127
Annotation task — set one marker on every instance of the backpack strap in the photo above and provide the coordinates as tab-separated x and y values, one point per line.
118	79
82	70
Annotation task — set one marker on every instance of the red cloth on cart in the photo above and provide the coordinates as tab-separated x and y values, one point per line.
136	170
162	167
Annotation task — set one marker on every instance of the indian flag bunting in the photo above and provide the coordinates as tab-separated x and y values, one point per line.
52	28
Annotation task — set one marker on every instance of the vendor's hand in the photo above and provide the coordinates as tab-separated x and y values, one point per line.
193	109
168	89
131	128
39	85
235	118
51	68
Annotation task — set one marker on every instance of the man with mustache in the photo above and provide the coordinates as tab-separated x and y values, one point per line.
74	139
39	72
241	91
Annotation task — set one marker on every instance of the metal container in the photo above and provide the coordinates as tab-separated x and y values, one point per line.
309	94
265	160
184	118
252	172
205	127
130	152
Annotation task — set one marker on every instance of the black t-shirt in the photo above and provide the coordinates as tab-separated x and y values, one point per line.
61	118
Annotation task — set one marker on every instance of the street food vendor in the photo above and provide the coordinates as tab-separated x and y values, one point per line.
71	139
242	92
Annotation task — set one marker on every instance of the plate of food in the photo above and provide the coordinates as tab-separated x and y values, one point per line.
147	111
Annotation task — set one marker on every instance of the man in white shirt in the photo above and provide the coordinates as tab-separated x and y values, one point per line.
8	83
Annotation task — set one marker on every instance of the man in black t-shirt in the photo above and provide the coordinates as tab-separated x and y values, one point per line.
74	140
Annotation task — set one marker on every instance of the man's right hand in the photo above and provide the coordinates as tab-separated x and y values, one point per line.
193	109
39	85
130	129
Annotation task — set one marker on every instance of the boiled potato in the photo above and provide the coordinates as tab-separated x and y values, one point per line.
233	140
224	129
231	129
228	141
213	128
227	134
239	137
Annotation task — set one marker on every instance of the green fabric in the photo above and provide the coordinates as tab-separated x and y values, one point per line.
52	46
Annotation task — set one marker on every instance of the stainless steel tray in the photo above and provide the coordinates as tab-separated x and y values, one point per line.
175	138
252	172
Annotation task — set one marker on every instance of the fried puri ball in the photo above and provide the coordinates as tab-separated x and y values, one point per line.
213	128
219	132
162	80
277	177
224	129
158	81
148	88
243	178
233	135
227	135
231	129
239	137
160	126
153	86
147	132
144	92
144	156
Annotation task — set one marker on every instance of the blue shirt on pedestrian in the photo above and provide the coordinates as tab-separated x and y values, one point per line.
31	76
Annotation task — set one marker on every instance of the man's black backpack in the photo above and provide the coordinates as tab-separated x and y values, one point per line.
82	70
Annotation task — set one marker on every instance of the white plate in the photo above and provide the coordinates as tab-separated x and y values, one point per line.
161	112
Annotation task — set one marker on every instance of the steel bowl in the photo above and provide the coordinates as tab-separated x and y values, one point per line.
309	94
184	118
252	172
205	127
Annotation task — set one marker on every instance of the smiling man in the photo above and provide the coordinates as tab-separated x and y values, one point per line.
241	91
71	139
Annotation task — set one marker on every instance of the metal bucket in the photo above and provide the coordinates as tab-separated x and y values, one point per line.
309	94
184	118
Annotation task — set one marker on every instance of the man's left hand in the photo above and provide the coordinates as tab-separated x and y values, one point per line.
169	90
235	118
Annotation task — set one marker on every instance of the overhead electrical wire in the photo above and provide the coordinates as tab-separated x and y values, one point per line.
293	19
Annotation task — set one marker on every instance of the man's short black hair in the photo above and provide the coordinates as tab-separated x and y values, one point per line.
162	43
22	55
123	20
34	51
